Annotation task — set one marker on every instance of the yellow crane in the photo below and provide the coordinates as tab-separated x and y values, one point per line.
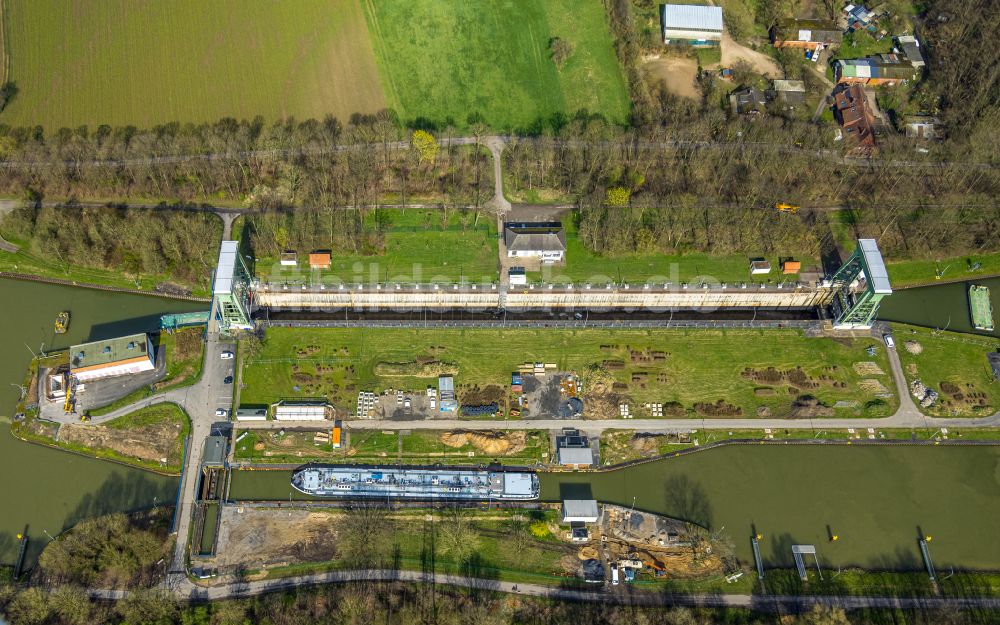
781	207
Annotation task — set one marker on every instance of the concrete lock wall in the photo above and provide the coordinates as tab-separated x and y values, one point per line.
544	298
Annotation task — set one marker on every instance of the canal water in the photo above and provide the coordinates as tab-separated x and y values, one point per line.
944	306
45	489
877	499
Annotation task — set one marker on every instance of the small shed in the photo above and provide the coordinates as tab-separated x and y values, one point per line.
791	93
289	259
319	260
758	267
580	511
790	267
517	275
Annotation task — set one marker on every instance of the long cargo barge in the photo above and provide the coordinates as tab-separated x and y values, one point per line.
415	483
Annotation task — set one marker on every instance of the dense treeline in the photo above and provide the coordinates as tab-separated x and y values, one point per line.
383	602
720	198
138	242
288	163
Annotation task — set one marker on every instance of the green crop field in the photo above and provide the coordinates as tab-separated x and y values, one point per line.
444	60
704	371
143	63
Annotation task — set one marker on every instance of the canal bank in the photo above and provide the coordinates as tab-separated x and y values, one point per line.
876	499
45	489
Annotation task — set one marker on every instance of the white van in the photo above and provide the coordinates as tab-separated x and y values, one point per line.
889	342
614	574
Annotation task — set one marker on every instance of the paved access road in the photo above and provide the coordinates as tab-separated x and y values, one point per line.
187	591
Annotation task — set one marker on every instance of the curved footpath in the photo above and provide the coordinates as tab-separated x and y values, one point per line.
185	590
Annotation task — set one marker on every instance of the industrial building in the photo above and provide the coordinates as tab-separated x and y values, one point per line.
124	355
301	411
699	26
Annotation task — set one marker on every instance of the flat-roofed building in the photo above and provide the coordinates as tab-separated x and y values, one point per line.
123	355
301	411
691	24
580	511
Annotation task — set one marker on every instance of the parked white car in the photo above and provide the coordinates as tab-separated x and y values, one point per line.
227	355
889	342
222	412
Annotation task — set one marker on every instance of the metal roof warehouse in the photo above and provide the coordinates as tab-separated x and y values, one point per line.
111	357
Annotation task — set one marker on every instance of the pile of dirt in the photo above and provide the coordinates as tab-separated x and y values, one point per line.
307	351
763	411
719	409
868	368
587	553
476	396
600	405
913	347
426	369
491	442
645	443
795	377
871	385
808	407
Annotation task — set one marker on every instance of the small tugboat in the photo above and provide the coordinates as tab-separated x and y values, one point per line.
62	322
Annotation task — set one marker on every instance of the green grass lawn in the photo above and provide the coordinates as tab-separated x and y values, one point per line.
420	246
695	368
24	262
122	62
583	265
371	447
861	44
914	272
955	366
444	61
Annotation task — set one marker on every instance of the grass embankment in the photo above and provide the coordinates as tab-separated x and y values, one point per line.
149	438
418	245
185	357
415	447
916	272
952	364
584	266
198	70
25	263
619	446
693	372
450	63
488	544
